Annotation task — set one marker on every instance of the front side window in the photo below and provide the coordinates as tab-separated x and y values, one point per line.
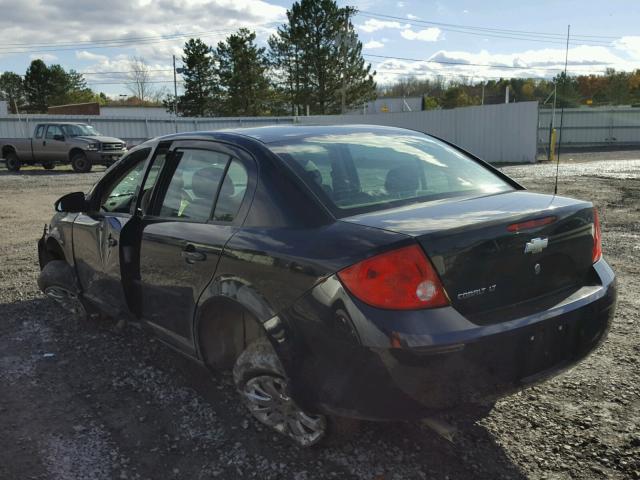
120	196
39	131
194	184
365	171
52	131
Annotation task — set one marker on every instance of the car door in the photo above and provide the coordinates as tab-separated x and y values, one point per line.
53	147
96	233
197	206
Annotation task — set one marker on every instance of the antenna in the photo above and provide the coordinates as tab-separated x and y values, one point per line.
566	61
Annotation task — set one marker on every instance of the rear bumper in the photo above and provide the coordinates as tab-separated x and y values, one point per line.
369	363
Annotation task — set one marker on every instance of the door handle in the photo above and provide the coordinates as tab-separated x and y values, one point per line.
191	255
111	242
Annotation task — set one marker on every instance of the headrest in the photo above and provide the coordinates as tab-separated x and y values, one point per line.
402	179
205	182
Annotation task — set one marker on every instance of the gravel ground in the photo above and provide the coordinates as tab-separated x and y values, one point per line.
80	401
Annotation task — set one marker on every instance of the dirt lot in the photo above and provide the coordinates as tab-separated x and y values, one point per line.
79	401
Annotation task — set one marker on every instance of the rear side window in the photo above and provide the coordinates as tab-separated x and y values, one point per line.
52	131
231	193
194	184
365	171
39	131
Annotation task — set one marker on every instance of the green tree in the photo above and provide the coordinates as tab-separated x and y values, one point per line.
201	88
567	91
36	85
242	72
12	90
319	58
455	96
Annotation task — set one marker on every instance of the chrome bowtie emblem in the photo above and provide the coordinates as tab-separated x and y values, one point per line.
536	245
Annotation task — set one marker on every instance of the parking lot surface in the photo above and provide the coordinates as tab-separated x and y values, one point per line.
80	400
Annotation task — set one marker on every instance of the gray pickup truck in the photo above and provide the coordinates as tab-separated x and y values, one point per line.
62	142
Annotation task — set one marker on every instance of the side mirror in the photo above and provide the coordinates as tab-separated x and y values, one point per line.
71	203
58	137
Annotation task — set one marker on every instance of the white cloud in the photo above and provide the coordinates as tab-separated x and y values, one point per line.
373	25
410	16
400	4
41	22
541	63
630	45
371	44
426	35
465	11
45	57
90	56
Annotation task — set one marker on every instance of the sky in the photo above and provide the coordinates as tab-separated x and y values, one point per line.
455	39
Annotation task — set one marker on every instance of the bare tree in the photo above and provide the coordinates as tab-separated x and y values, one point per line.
140	79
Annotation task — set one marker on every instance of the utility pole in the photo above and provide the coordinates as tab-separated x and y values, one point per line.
482	102
506	95
343	106
175	88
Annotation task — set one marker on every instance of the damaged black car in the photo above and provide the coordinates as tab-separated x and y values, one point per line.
341	272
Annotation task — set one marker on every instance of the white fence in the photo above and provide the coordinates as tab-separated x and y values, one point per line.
496	133
135	130
593	127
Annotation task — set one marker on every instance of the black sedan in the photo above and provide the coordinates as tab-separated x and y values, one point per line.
341	272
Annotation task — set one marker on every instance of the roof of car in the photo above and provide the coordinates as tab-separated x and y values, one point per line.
276	133
63	123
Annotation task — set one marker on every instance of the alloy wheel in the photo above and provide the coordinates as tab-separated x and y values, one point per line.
268	400
67	299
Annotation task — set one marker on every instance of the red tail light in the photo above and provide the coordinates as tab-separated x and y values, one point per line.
597	237
402	279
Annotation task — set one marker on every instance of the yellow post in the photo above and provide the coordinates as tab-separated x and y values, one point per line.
552	145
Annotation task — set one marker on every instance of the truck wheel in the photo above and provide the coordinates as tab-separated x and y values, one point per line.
13	162
48	165
80	163
57	281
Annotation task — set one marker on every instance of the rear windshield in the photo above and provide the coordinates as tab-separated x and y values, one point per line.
365	171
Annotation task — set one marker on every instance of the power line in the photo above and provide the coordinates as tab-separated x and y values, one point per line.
545	37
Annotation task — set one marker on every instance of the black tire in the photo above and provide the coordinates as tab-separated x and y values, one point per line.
80	163
57	280
259	360
13	162
48	165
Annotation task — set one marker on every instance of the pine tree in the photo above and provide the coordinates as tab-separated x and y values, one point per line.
201	88
319	58
36	86
241	70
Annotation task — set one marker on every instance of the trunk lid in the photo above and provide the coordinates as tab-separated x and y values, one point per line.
484	266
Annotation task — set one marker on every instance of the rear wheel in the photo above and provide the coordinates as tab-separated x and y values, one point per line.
13	162
57	281
80	163
48	165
